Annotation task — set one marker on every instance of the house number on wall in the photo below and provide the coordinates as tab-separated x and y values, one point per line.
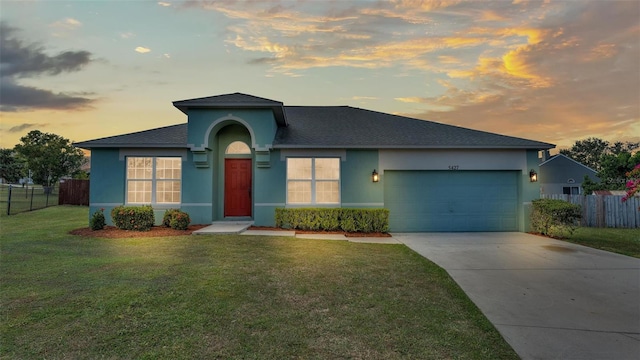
454	167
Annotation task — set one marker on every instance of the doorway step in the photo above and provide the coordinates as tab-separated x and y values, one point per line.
224	227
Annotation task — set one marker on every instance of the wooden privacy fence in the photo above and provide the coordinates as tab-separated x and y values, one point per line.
74	192
604	211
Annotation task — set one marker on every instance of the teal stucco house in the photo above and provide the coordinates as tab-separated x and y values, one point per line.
240	157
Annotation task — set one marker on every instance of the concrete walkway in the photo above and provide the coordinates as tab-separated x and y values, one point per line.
241	227
224	227
549	299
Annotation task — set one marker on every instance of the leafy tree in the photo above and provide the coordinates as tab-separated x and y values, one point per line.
81	175
588	152
589	186
620	147
614	169
11	168
49	156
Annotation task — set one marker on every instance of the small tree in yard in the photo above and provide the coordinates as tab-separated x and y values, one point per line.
49	156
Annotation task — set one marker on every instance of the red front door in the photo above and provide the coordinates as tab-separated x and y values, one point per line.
237	187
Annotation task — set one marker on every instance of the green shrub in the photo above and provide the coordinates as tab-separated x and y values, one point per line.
97	221
176	219
333	219
555	218
168	214
139	218
348	221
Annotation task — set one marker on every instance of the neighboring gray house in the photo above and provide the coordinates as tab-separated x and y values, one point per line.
561	174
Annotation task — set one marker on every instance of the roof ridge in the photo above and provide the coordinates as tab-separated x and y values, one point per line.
221	96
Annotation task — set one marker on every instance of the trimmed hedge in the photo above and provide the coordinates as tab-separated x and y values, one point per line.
176	219
333	219
555	218
139	218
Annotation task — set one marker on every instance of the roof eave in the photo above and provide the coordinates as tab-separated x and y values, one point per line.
409	147
88	146
559	156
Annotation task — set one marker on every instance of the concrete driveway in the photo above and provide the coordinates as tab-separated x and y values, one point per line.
549	299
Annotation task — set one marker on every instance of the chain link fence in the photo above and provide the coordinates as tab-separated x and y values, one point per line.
15	199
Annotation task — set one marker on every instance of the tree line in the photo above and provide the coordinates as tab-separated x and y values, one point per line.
44	156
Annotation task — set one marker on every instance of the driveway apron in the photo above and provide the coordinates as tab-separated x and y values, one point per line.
549	299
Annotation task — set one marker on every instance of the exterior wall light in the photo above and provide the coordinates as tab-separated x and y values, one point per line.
533	175
374	176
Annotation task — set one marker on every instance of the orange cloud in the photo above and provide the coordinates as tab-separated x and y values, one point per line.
514	64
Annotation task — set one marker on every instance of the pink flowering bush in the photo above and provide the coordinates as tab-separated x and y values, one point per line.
633	185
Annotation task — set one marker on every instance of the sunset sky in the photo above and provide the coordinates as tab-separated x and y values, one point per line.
553	71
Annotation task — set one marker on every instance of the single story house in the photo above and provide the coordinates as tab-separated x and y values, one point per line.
240	156
560	174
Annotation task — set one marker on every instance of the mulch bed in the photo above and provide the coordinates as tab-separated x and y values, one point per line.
113	232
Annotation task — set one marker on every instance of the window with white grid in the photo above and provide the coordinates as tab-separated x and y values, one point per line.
154	180
313	181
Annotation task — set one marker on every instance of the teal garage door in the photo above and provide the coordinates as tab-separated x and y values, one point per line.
451	200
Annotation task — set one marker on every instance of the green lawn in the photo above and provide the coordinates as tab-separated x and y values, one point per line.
621	241
225	297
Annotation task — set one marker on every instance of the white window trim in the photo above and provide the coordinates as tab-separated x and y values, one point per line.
154	181
313	183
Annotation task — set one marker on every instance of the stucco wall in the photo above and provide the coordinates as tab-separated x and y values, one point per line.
202	187
107	188
108	180
269	190
203	123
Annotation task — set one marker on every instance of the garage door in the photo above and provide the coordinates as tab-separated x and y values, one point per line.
452	200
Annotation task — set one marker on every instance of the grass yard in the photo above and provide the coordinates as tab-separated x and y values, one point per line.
621	241
240	297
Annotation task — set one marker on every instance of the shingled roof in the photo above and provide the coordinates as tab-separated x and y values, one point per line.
174	136
330	127
348	127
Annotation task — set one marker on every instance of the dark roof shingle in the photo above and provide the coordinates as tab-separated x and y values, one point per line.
174	136
228	100
345	126
336	127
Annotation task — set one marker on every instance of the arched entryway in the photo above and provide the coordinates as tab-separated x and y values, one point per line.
234	176
237	180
